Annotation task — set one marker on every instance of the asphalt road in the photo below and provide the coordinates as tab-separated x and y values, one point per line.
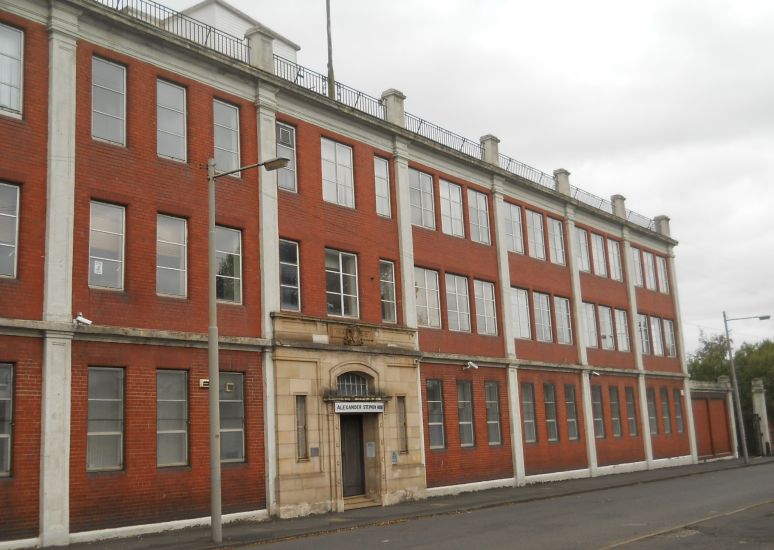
713	511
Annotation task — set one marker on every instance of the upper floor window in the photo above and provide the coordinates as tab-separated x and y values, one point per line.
606	327
451	208
663	277
9	229
382	186
542	317
427	297
636	266
655	335
457	302
513	232
171	255
421	199
582	241
226	135
290	277
486	313
478	209
614	255
170	121
520	312
341	283
556	241
669	338
387	291
622	329
642	327
598	254
108	101
6	417
337	181
563	320
106	245
228	255
590	324
11	69
537	245
286	148
650	270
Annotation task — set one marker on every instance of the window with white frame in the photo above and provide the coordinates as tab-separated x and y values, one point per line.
598	255
228	255
542	317
170	121
387	291
106	245
549	400
435	414
514	235
171	418
6	417
341	286
11	69
614	256
9	228
669	338
421	199
520	312
597	412
571	412
528	412
655	336
465	413
402	424
492	395
286	148
642	327
302	441
451	208
486	313
108	101
171	255
457	302
427	297
631	411
337	180
622	330
556	241
226	136
652	418
290	276
105	427
382	186
650	270
232	417
590	324
478	210
636	266
678	410
663	277
615	411
563	320
535	236
606	327
666	417
582	242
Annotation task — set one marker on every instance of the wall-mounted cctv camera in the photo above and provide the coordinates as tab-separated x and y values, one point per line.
81	320
470	365
594	373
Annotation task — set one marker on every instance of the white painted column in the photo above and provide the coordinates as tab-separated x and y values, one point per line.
57	283
503	266
759	408
517	439
405	234
579	319
588	422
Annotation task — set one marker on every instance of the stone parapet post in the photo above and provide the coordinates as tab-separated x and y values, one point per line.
394	112
759	408
490	149
562	178
261	48
619	205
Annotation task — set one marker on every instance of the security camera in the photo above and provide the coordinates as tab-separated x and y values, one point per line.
470	365
594	373
81	320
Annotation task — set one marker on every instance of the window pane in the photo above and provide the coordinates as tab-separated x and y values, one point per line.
606	327
435	414
171	417
302	446
226	136
486	316
556	241
108	100
549	400
382	186
478	210
492	391
421	199
170	120
582	245
427	297
286	148
598	413
652	419
631	411
622	329
528	412
665	413
232	417
520	311
451	208
615	411
6	418
171	255
563	320
636	266
614	255
598	253
338	184
341	283
11	67
289	276
105	419
387	291
571	412
9	219
465	413
228	255
542	317
537	247
513	230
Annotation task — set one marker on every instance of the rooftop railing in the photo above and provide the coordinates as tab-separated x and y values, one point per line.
527	172
443	136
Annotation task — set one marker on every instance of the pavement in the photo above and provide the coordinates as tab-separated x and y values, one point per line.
245	533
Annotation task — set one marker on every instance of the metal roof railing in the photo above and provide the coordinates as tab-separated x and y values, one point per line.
527	172
444	137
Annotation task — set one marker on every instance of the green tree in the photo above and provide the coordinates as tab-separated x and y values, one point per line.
710	360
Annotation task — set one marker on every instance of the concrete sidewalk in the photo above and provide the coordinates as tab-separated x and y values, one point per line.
243	533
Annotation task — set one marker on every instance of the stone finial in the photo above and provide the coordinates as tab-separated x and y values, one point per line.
562	177
491	150
619	205
261	48
662	225
394	112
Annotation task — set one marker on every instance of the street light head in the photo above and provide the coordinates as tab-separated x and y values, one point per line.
764	317
275	164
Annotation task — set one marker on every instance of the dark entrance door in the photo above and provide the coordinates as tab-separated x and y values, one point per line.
352	454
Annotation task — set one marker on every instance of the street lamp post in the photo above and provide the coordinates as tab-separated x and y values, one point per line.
212	344
737	402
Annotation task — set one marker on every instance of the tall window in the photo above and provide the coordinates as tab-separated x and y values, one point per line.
382	186
622	330
9	228
597	412
571	410
11	69
457	302
636	266
341	283
556	241
535	237
669	338
451	208
549	399
478	210
614	256
465	413
631	411
228	254
652	419
615	411
6	413
171	255
582	242
170	121
338	183
642	327
435	414
290	276
486	313
514	235
286	148
108	101
542	317
528	412
606	327
171	418
663	277
402	425
590	324
302	442
492	394
232	417
387	291
520	312
352	384
421	199
106	245
226	129
105	430
678	410
665	414
598	255
563	320
655	334
428	297
650	270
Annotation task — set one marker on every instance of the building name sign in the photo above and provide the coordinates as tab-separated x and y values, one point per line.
359	407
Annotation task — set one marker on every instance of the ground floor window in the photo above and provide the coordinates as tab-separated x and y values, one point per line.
465	413
171	418
6	419
492	391
528	412
232	417
105	430
435	414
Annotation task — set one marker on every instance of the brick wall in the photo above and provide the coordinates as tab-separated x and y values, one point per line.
675	443
627	447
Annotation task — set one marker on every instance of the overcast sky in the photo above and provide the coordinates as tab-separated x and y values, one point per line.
667	102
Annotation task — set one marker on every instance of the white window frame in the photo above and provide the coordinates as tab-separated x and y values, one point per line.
582	242
428	297
492	396
6	59
528	412
382	187
656	337
117	435
663	276
235	155
666	414
678	400
650	270
590	325
606	332
542	305
286	148
598	412
535	235
549	403
650	394
457	303
478	214
421	199
615	411
236	277
180	110
452	221
598	255
636	266
341	189
614	255
182	428
514	233
642	328
435	414
631	411
121	92
556	241
14	245
387	295
290	268
571	412
224	418
182	271
486	307
333	293
622	330
563	320
520	312
670	343
465	413
6	404
94	266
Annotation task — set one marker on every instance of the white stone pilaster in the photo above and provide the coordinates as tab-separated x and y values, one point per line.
588	423
759	408
517	439
405	234
579	318
503	266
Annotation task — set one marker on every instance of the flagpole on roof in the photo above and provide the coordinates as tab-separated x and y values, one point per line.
331	79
